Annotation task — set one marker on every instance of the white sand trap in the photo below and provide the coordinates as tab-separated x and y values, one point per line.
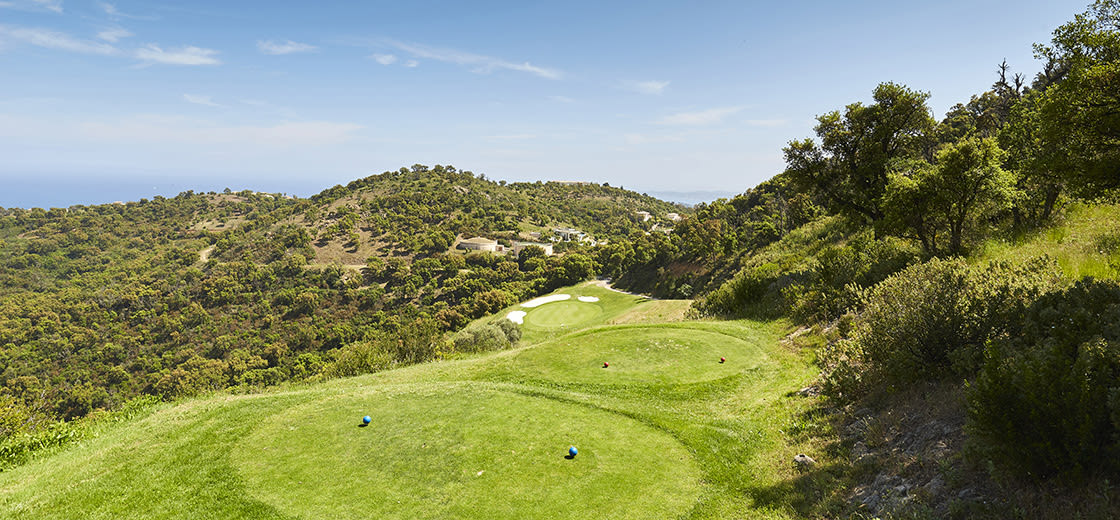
588	299
537	302
517	317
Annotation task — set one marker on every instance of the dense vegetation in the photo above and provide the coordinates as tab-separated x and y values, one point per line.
175	296
917	248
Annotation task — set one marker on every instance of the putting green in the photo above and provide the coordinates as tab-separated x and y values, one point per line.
563	314
639	354
463	451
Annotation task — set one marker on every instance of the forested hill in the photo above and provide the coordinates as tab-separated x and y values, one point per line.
421	211
202	291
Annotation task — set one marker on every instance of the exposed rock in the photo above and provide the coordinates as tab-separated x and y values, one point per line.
804	461
809	391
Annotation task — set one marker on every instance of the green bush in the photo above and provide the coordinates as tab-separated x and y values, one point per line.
497	335
834	286
932	320
1047	401
362	357
756	288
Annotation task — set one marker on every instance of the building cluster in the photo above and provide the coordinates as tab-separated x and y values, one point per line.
566	234
492	246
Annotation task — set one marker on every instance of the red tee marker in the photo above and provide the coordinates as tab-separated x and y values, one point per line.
721	360
606	365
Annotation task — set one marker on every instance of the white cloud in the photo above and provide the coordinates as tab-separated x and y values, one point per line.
114	13
152	53
384	59
286	47
412	64
646	87
56	40
50	5
479	63
113	35
703	117
562	99
200	100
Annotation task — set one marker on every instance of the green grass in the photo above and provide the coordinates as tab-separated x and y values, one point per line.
1084	242
650	354
563	314
666	432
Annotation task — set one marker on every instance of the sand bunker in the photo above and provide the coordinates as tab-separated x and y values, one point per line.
537	302
517	317
588	299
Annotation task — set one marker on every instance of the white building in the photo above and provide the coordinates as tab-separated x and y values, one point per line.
478	244
644	215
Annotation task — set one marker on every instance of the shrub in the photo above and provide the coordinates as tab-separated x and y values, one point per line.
362	357
497	335
841	272
1047	401
932	320
753	288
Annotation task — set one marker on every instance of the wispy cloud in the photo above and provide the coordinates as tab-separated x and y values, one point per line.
113	35
646	87
55	40
562	99
32	5
200	100
411	64
115	13
384	59
479	63
152	53
702	117
50	5
285	47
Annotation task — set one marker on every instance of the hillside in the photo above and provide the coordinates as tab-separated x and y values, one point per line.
422	211
667	431
203	291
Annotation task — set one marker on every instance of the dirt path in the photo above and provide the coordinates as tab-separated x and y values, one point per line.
204	255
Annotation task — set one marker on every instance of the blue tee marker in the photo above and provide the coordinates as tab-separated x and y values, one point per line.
366	419
572	451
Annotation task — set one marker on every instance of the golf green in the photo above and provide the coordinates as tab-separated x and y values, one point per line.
563	314
463	451
639	354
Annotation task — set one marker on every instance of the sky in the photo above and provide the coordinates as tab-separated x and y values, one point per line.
688	100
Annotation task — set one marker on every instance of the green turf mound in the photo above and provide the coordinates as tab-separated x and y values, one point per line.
569	313
463	451
639	355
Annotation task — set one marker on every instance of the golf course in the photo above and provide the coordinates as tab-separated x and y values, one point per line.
672	418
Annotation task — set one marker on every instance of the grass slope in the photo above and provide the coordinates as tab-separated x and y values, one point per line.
1085	241
666	432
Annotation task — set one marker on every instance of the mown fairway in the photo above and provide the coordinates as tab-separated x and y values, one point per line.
667	431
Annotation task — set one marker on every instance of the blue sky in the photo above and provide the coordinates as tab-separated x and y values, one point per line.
103	101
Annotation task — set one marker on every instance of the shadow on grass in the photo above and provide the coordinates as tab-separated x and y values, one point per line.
820	490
